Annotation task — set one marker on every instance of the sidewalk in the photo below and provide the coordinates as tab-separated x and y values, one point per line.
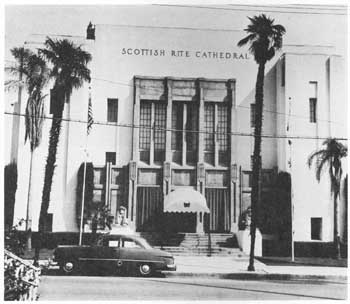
232	267
236	268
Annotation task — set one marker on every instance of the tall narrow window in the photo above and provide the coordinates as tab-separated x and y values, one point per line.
283	71
176	124
313	108
152	131
191	133
252	115
209	133
145	131
112	110
223	134
313	101
159	131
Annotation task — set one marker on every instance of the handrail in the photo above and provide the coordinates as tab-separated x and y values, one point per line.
21	278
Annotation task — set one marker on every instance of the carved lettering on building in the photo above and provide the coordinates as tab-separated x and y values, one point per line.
199	54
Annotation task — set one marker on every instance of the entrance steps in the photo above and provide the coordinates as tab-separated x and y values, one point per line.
222	244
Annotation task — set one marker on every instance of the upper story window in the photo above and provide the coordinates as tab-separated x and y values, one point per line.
313	101
209	128
112	110
111	157
216	140
185	126
223	133
152	131
283	72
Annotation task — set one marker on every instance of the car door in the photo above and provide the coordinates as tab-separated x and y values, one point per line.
131	251
105	255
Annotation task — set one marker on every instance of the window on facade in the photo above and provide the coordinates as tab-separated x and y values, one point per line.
223	134
177	124
252	115
316	228
145	131
152	131
209	129
188	129
313	101
111	157
159	131
191	133
313	108
112	110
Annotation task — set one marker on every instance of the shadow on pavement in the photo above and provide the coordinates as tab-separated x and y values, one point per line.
95	273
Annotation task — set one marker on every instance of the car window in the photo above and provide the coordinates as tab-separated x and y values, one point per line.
113	243
129	243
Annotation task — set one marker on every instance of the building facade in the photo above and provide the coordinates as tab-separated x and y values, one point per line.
173	107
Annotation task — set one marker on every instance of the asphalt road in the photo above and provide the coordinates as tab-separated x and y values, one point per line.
132	288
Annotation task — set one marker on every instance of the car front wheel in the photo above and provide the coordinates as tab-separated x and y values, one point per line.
69	267
145	269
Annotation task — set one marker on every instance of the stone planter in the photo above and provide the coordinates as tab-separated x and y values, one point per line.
243	239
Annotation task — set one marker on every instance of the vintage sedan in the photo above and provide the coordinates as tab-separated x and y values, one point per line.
116	253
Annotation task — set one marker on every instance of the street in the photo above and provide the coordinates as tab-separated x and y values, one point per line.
180	288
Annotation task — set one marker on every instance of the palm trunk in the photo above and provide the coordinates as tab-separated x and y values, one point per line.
336	230
256	180
49	171
29	205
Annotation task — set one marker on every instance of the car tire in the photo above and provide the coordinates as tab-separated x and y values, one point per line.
145	269
70	267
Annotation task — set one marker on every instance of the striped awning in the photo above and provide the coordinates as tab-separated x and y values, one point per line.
185	200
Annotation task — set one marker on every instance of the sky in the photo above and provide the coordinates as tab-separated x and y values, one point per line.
21	21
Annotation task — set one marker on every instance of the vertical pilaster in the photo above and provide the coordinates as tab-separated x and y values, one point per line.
184	144
216	141
166	178
234	180
151	150
200	122
169	95
132	194
136	121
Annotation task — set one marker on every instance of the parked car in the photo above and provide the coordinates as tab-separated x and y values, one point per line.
119	253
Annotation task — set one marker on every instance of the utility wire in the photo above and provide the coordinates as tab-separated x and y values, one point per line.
240	106
249	10
178	130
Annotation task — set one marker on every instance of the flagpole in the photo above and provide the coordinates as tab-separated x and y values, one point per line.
83	198
89	122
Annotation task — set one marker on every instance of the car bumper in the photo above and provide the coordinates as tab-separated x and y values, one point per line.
171	267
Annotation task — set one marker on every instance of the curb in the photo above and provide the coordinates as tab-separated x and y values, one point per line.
258	276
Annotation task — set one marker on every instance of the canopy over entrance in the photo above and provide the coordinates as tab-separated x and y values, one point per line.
185	200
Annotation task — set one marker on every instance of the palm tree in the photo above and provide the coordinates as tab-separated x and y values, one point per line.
331	156
264	39
69	71
35	71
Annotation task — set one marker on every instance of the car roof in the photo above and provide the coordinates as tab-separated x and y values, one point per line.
130	236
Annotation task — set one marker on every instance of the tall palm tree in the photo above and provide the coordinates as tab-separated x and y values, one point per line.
69	71
264	39
36	75
331	156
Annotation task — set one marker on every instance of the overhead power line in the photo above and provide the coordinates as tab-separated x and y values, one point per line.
240	106
250	10
272	136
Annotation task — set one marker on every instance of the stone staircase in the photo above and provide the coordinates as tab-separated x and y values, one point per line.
187	244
